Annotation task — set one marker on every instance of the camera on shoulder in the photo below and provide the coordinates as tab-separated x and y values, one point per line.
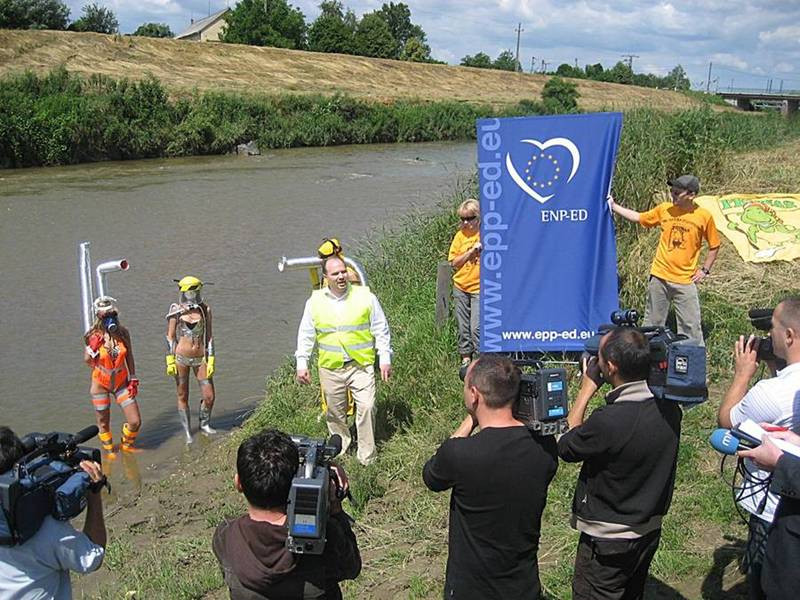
46	480
542	404
308	507
677	366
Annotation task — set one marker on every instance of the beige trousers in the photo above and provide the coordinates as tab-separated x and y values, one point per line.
361	381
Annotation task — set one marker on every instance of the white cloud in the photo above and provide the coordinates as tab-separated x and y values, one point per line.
787	34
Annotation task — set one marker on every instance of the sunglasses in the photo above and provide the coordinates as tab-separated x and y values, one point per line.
469	219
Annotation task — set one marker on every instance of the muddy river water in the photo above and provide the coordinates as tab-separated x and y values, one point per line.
225	219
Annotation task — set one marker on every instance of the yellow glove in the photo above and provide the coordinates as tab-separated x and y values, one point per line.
209	367
172	367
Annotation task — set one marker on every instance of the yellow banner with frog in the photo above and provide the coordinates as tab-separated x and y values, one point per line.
762	227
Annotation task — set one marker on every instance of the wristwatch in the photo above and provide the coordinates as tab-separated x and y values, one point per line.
706	271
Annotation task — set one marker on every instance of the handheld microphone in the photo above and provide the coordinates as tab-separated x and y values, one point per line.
725	441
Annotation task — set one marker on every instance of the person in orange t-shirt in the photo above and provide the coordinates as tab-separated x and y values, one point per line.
465	258
674	273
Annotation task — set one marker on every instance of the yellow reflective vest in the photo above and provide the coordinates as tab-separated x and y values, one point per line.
345	330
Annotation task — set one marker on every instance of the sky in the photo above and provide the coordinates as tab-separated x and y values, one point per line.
749	43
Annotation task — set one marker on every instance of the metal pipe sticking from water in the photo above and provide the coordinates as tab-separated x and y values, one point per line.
108	267
310	262
85	280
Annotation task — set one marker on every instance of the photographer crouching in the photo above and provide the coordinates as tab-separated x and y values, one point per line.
773	401
39	567
629	450
252	549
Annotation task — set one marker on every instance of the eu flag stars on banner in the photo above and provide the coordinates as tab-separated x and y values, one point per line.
549	265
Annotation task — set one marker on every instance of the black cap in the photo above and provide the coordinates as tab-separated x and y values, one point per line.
686	182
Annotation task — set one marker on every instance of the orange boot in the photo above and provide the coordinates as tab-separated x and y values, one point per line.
128	439
108	444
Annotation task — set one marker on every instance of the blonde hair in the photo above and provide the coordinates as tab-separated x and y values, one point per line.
470	206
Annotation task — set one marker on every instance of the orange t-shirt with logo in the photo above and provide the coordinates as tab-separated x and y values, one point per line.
682	235
468	277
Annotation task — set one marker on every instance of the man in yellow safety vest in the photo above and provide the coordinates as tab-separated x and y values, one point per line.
349	327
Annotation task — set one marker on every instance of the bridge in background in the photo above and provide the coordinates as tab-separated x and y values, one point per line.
788	100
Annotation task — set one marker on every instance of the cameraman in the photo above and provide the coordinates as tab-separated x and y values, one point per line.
252	549
39	568
499	479
771	401
629	450
779	575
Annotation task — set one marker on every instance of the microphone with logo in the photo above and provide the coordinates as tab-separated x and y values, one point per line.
746	436
725	442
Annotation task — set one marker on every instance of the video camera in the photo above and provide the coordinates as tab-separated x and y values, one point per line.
47	480
677	369
542	404
308	504
761	319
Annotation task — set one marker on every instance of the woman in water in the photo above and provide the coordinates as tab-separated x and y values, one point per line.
190	347
109	353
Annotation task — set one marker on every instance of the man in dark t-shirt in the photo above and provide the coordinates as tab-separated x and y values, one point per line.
499	478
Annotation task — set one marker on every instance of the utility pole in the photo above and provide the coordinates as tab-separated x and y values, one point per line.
708	81
629	60
533	63
781	90
518	66
576	64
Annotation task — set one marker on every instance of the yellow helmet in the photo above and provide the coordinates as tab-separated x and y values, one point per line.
329	247
190	284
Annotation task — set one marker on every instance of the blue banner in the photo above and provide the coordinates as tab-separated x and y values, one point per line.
549	260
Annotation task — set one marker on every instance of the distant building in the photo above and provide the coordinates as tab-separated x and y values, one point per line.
205	30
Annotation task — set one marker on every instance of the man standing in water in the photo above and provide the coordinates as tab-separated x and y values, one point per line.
349	327
674	273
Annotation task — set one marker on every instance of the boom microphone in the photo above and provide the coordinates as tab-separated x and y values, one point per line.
86	434
335	442
725	442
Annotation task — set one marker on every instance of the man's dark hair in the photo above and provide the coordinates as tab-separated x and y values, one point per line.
790	313
496	378
266	464
328	259
11	449
629	350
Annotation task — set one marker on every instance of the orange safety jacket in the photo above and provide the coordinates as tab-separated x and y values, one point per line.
110	372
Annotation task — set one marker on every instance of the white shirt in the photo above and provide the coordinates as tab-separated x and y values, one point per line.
770	401
378	327
39	568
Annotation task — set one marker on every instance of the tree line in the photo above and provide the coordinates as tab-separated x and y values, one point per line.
384	33
621	72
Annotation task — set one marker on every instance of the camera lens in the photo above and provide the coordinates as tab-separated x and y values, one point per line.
625	317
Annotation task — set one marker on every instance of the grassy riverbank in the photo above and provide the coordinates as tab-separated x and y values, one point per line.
161	547
62	118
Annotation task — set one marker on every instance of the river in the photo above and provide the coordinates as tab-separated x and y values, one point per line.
226	220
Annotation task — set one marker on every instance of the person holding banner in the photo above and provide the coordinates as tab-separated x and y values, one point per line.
465	258
674	273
